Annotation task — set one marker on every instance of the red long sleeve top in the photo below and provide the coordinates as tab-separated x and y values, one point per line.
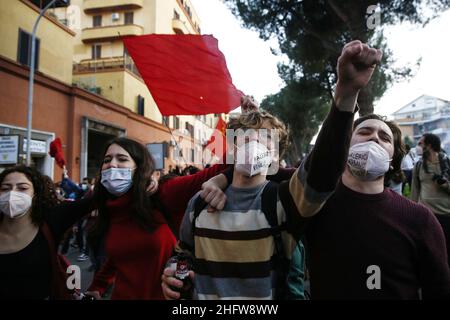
136	258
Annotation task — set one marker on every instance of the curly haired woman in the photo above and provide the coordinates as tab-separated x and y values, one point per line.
30	213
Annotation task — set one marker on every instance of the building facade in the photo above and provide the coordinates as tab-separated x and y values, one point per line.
103	66
84	118
426	114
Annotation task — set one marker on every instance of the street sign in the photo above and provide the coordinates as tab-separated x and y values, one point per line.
37	146
9	149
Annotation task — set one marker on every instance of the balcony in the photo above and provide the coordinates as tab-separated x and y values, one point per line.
109	33
106	64
179	27
98	6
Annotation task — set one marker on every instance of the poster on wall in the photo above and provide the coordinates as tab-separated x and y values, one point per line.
9	149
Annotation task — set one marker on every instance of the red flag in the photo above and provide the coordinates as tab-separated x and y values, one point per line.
217	143
56	152
186	74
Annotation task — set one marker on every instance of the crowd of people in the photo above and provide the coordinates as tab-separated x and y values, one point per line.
337	226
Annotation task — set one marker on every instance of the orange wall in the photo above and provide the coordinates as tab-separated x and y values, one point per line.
59	108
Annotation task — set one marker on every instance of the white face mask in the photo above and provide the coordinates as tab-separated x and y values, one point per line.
117	180
252	158
419	150
15	204
368	161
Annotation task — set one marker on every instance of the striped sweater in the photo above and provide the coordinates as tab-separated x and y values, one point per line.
234	247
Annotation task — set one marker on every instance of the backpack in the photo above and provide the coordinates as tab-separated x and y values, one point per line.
290	276
59	265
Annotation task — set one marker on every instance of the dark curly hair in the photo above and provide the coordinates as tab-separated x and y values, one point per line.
44	191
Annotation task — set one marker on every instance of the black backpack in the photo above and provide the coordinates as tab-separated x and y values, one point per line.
282	266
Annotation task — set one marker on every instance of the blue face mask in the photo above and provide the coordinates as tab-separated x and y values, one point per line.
117	180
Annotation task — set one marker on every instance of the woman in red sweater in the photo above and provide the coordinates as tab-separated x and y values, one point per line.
137	237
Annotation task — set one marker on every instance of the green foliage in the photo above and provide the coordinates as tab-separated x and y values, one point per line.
311	33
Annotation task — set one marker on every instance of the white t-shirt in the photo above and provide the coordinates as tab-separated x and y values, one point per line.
408	162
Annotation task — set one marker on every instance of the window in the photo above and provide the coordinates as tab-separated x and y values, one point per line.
188	9
97	21
24	49
140	105
190	129
96	51
192	155
129	16
176	124
176	15
115	16
165	121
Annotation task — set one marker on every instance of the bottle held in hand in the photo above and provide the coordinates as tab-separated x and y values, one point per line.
183	264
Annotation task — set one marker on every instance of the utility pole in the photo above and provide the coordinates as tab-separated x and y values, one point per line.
31	78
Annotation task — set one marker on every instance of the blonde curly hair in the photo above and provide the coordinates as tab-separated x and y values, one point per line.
257	120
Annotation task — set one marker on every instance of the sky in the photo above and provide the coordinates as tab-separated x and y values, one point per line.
253	67
250	61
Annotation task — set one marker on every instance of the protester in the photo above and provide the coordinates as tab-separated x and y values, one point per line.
190	170
407	166
74	192
137	229
245	220
430	183
29	209
395	181
365	241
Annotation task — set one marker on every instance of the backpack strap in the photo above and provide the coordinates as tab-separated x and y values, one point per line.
199	205
444	163
417	171
292	286
269	201
289	206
